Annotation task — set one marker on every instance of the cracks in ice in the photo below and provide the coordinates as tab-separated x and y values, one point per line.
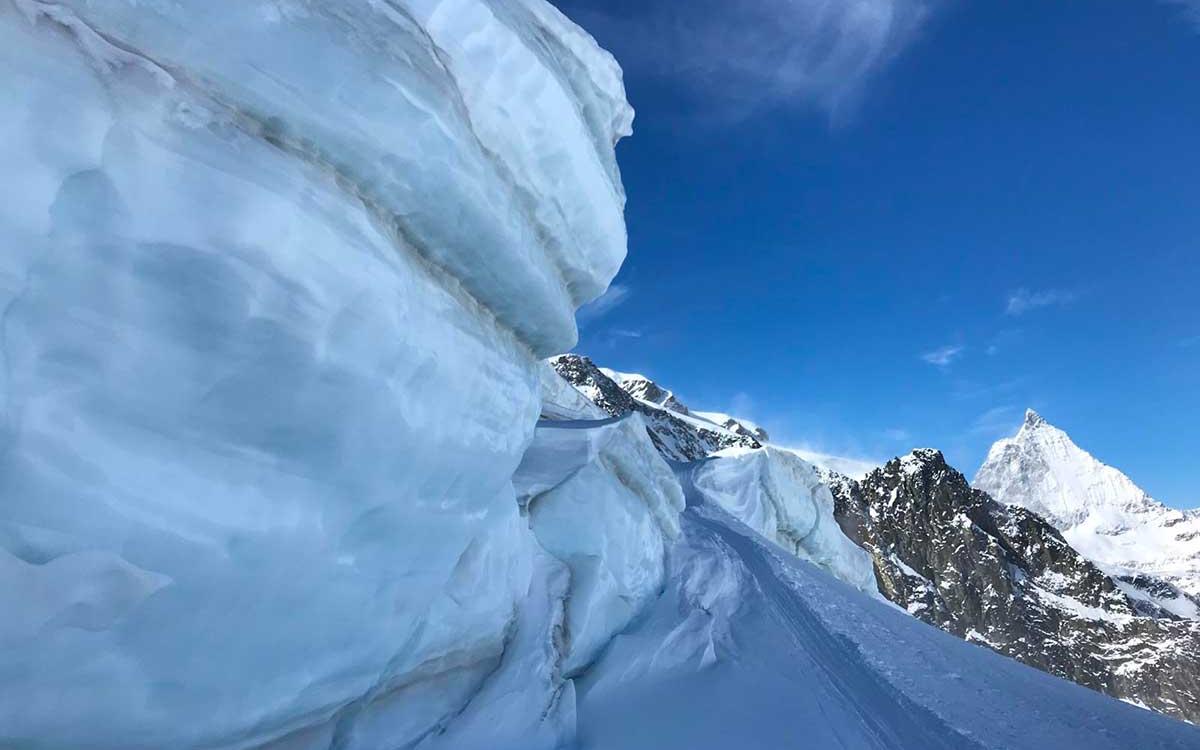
109	56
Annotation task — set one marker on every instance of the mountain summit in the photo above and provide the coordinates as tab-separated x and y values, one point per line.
1098	509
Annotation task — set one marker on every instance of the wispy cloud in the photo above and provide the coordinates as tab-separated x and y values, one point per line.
1191	9
851	466
735	57
626	333
1189	342
615	295
1023	300
742	405
995	422
943	356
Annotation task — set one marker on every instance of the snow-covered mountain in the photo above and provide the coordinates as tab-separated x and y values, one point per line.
679	434
1154	550
1003	577
283	467
997	576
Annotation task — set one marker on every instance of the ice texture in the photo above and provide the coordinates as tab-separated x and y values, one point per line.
605	504
783	498
277	276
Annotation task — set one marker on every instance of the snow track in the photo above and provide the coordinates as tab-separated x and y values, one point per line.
885	717
750	647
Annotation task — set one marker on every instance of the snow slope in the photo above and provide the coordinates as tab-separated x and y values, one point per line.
751	647
1099	511
277	276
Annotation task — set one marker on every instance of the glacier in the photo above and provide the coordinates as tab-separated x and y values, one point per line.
784	499
283	466
278	277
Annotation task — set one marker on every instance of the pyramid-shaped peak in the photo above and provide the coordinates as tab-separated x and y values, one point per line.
1033	419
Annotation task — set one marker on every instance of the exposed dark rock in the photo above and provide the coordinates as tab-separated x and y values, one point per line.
676	437
1004	578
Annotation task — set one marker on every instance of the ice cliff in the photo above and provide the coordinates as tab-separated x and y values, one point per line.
276	282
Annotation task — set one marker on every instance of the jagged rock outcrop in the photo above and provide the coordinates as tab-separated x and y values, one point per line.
644	389
677	435
1003	577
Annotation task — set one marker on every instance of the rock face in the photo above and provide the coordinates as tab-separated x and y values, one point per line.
644	389
678	435
1005	578
1100	511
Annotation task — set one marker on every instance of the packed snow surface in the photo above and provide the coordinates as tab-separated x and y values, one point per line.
1099	510
750	647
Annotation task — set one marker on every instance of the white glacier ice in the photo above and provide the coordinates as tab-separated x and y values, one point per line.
783	498
605	503
276	281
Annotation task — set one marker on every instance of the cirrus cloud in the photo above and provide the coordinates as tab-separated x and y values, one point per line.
1023	300
736	57
943	356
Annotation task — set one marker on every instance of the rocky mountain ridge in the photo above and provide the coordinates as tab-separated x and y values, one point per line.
996	575
678	435
1003	577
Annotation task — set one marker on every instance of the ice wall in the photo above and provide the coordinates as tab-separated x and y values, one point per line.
780	496
603	501
275	282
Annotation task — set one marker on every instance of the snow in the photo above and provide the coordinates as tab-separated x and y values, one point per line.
561	400
751	647
1179	606
276	281
720	419
783	498
1099	510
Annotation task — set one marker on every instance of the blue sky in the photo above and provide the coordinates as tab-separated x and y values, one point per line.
901	224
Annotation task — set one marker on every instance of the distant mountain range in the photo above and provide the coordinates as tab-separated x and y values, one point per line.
1052	558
